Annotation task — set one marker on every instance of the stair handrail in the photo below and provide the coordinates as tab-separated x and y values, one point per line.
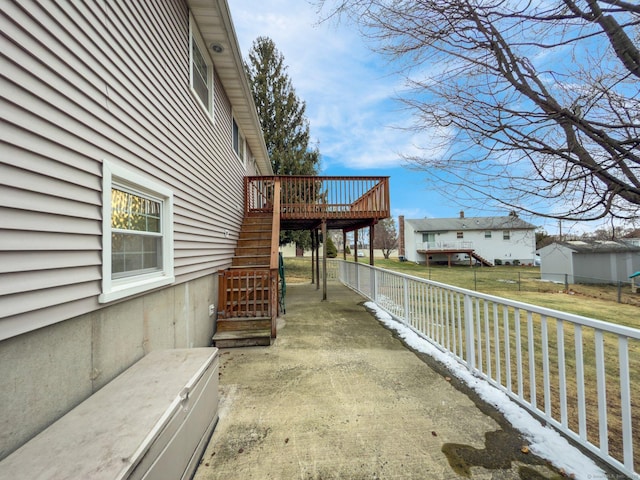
274	263
275	225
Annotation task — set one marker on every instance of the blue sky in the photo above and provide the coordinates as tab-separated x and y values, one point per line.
351	95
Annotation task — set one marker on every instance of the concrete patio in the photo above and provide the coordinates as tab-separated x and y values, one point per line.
338	396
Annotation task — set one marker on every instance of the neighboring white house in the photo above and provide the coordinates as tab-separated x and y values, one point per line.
127	129
460	240
590	261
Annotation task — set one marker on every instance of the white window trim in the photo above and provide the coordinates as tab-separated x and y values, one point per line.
242	143
115	289
194	34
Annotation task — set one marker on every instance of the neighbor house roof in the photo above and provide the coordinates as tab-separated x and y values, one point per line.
509	222
598	246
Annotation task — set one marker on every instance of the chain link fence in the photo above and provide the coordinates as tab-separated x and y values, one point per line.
492	281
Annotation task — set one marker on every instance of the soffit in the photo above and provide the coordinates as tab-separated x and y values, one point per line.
216	27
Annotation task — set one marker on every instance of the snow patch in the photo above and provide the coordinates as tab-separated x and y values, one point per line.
544	441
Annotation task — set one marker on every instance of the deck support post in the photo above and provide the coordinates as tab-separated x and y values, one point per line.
313	253
355	245
324	259
318	259
344	245
371	238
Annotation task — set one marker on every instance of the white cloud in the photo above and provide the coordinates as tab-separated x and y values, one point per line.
349	93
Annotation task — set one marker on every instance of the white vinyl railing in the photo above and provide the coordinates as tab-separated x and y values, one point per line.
448	245
574	373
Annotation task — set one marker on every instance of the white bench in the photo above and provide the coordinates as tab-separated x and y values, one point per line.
151	422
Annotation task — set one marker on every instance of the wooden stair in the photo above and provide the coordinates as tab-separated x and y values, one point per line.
482	260
243	333
244	313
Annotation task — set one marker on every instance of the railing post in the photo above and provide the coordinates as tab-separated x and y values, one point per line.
274	261
468	330
273	301
246	196
373	286
407	310
625	404
222	293
275	224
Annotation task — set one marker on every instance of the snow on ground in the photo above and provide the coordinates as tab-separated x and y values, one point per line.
544	441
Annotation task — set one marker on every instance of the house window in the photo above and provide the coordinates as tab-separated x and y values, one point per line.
201	70
136	238
459	234
239	145
428	237
137	242
487	234
506	235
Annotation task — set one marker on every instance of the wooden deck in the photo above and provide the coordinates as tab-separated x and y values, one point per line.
452	251
249	291
343	203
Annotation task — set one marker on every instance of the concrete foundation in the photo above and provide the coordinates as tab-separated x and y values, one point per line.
47	372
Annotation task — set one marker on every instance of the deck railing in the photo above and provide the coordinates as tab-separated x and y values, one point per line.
577	374
303	197
448	245
245	293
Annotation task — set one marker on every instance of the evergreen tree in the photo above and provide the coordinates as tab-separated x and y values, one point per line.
332	251
282	116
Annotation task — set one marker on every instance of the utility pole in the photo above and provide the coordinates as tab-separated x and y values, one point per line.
560	228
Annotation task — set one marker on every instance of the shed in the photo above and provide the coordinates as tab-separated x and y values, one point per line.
589	261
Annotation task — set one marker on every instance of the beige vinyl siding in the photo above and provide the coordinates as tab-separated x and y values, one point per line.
33	261
84	82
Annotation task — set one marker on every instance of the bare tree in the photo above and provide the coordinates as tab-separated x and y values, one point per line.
336	237
385	237
536	102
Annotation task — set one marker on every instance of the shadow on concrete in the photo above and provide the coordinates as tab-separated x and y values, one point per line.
339	396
